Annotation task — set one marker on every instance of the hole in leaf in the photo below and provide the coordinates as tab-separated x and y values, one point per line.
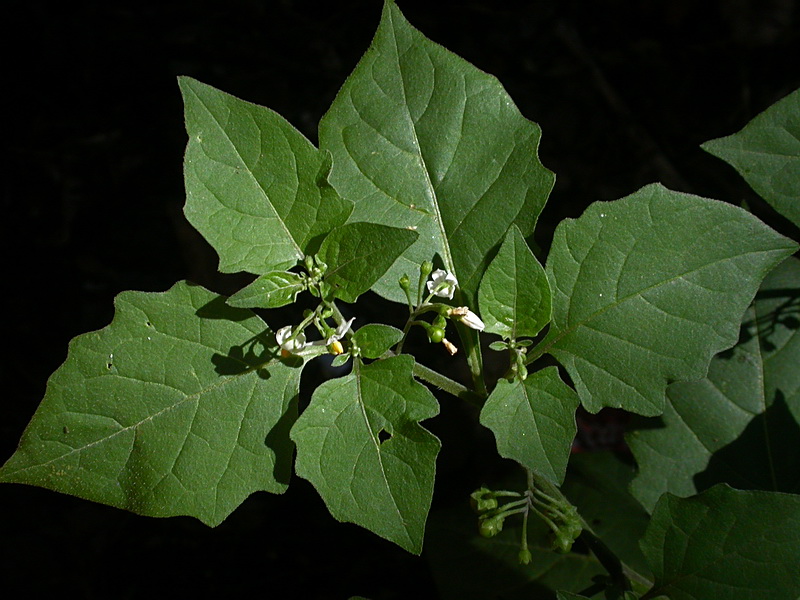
148	323
108	365
384	435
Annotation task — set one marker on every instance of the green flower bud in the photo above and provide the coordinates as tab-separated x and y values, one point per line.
525	557
405	282
425	269
490	527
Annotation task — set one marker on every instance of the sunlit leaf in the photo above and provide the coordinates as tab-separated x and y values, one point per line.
422	139
360	444
514	295
272	290
741	424
255	187
534	422
648	288
178	407
375	339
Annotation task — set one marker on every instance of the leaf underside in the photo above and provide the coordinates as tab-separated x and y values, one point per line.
648	288
178	407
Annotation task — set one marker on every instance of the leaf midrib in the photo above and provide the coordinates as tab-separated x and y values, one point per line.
180	402
357	368
545	347
437	215
248	170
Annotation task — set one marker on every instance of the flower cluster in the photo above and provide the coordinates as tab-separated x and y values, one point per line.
294	344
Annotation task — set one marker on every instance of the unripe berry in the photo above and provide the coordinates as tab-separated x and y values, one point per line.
435	335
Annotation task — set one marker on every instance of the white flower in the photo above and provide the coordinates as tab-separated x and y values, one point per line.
340	331
288	344
468	318
442	284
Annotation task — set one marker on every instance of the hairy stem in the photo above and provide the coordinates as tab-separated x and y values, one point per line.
448	385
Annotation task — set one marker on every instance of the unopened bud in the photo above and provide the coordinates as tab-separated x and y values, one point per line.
467	317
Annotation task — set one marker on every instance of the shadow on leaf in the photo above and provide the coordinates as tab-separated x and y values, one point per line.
785	315
766	456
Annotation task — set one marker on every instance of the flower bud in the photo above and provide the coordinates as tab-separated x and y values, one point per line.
525	556
467	317
490	527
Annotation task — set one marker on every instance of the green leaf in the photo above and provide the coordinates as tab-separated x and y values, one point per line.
358	255
570	596
648	288
272	290
767	154
514	296
256	189
740	425
361	446
375	339
597	484
534	422
178	407
421	138
725	543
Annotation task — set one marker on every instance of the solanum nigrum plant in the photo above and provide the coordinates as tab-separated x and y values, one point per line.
426	188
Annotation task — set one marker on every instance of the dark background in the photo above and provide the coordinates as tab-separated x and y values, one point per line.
624	91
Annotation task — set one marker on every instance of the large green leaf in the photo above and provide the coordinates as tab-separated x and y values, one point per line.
741	424
360	444
514	295
648	288
255	187
178	407
534	422
725	543
358	255
420	138
767	154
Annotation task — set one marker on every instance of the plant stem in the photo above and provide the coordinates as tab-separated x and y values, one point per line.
620	573
448	385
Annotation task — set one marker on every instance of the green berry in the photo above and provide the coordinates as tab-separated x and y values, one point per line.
435	334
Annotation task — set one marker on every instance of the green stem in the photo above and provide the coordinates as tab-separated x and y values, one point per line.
448	385
618	570
472	348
